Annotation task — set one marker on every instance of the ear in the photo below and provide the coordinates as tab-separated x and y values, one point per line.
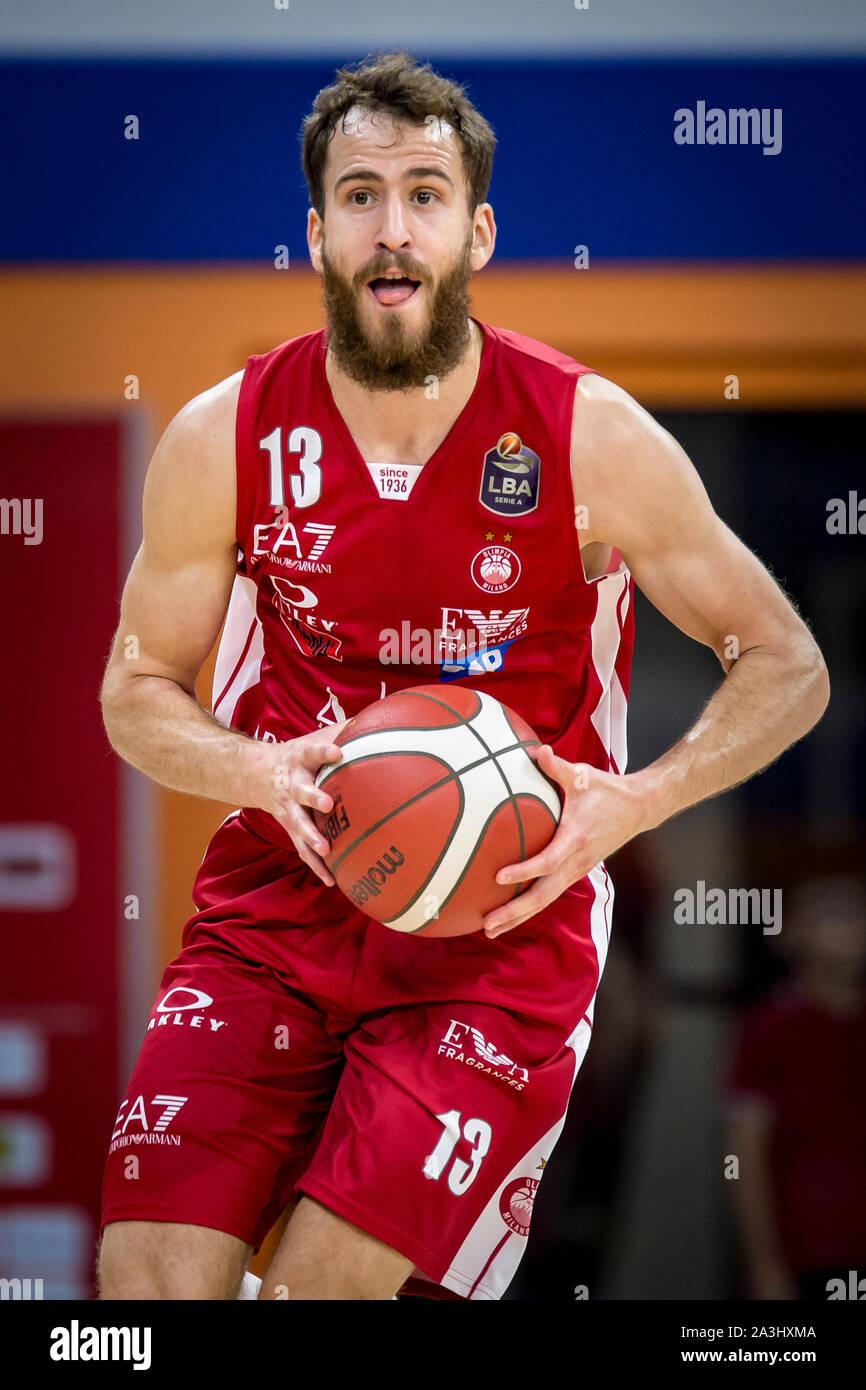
483	236
315	236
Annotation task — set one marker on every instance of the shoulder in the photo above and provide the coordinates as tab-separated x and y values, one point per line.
211	411
204	427
192	472
297	353
535	355
630	471
607	422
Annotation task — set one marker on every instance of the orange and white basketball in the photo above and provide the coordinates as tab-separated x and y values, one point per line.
434	794
509	445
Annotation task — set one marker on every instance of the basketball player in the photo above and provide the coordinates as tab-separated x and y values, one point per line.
406	1093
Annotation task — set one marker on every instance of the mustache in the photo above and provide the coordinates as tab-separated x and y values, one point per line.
378	265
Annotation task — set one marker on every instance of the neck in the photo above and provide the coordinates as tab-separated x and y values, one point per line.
405	426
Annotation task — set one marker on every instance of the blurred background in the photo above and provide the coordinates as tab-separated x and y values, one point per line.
716	1142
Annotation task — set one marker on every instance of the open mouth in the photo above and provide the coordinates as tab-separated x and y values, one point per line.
391	290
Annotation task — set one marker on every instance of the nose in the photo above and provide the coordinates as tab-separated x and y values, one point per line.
393	231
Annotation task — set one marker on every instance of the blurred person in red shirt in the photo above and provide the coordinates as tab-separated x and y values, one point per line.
796	1116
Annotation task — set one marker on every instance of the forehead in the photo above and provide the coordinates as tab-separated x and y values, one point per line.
376	140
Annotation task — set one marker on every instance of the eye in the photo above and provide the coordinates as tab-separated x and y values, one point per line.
359	193
426	194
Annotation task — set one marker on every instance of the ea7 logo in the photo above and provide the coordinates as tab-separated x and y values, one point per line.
456	1037
164	1108
277	537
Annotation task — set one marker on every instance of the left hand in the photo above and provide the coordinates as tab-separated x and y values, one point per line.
602	811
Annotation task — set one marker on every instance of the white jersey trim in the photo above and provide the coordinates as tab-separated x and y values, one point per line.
487	1260
240	653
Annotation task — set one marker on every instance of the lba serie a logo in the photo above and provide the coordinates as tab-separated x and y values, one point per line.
510	477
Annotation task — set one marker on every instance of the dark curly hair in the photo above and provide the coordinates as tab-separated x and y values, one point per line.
397	84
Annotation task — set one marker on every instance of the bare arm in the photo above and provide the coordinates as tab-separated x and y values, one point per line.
173	604
639	492
648	501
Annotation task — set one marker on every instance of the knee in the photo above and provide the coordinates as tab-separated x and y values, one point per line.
138	1264
315	1284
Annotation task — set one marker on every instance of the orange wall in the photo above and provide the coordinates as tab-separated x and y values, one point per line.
794	336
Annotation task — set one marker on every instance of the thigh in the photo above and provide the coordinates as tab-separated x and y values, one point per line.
225	1102
323	1256
169	1260
444	1119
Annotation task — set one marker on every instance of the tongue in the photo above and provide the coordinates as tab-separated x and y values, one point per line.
393	291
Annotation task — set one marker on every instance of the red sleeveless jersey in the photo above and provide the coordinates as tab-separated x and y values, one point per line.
357	579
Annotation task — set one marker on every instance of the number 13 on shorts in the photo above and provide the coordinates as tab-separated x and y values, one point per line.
461	1175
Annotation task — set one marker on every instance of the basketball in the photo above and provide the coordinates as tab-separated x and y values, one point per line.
434	794
509	444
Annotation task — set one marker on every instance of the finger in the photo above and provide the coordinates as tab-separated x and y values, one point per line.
520	909
308	794
311	846
312	755
298	828
302	830
545	862
335	729
570	776
316	864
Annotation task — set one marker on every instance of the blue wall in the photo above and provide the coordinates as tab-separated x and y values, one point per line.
586	155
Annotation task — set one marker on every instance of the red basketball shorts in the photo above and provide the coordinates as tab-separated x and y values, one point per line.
414	1086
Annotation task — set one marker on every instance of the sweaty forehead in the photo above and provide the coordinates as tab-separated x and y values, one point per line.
376	136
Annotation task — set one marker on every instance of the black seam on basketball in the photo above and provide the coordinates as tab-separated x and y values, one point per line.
377	825
409	728
434	699
334	768
466	867
518	887
422	694
444	851
489	756
505	781
533	796
331	768
434	786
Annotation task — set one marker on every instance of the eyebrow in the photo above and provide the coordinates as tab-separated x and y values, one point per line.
421	171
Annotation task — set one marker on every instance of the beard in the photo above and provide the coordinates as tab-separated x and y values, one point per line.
395	358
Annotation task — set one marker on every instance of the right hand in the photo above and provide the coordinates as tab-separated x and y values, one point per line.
285	776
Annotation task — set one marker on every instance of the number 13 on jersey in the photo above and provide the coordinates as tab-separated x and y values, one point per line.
461	1174
306	488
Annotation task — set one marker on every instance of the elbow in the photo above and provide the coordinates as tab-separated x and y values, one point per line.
108	706
814	680
112	700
